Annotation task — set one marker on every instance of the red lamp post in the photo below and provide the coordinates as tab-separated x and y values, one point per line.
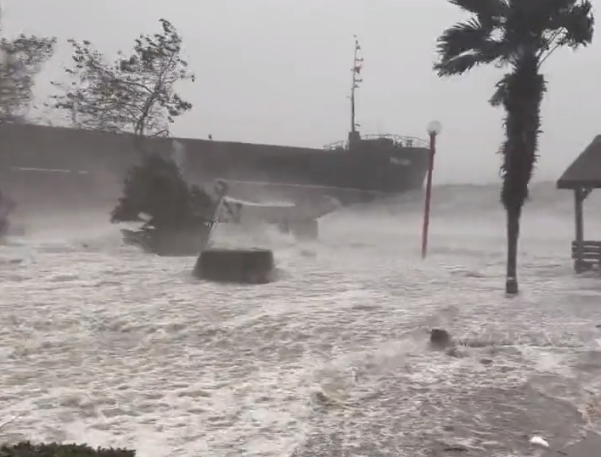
434	129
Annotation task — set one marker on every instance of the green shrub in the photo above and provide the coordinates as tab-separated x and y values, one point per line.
155	187
27	449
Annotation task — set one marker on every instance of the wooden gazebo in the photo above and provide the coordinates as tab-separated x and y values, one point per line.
582	176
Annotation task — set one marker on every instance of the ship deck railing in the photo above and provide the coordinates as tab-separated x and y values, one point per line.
397	140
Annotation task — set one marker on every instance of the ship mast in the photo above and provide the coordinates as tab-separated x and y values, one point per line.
356	70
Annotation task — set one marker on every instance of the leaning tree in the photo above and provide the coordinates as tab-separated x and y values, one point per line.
519	35
21	60
135	93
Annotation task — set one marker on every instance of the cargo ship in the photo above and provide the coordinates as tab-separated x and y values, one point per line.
45	165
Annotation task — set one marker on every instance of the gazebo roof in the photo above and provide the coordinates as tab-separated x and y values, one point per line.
585	171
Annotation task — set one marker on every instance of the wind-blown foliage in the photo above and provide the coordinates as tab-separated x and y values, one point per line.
21	60
134	93
27	449
519	35
178	217
157	189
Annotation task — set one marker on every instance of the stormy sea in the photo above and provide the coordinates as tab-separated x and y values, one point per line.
100	343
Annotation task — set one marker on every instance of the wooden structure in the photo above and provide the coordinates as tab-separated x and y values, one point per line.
582	177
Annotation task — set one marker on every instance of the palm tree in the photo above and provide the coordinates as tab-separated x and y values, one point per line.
519	35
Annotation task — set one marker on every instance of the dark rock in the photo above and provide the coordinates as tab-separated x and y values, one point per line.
440	338
250	266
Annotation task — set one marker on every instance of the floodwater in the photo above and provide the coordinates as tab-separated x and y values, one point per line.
100	343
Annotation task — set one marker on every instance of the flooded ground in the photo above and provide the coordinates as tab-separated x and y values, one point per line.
103	344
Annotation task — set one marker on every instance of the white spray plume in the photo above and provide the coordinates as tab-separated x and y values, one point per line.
178	154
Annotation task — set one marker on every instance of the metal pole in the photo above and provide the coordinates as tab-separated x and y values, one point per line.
428	195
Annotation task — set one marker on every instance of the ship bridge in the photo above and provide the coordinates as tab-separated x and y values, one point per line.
398	141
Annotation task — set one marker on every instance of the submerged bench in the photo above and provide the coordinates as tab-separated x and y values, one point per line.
589	256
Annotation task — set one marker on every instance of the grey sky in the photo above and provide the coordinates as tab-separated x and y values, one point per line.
278	71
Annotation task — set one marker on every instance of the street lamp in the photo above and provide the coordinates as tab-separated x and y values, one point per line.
434	129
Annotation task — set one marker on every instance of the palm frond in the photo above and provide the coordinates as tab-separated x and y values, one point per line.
559	22
488	51
458	65
548	10
571	24
501	88
461	38
482	8
578	24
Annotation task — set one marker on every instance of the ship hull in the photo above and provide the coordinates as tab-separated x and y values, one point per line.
49	166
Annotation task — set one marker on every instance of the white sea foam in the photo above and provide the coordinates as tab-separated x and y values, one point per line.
103	344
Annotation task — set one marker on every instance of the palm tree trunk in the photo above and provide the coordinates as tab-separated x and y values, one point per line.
522	93
513	234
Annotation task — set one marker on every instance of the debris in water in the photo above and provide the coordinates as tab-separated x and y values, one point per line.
454	351
324	398
590	411
539	441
